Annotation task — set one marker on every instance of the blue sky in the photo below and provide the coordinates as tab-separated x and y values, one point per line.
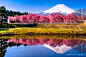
34	6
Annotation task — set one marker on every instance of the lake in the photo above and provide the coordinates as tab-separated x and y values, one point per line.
42	47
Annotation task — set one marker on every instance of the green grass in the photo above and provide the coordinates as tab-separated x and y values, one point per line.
48	30
25	30
5	30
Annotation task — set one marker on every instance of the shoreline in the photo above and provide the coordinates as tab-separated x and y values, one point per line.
44	37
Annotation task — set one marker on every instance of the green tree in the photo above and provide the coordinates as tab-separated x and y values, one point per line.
3	13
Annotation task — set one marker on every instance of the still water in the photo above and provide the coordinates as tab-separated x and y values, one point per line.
25	47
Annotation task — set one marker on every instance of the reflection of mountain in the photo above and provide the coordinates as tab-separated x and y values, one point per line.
58	49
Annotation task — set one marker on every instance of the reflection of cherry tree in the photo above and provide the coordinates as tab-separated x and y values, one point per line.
73	42
55	42
42	41
29	41
52	42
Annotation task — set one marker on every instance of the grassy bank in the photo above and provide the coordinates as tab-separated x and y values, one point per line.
48	31
5	30
45	31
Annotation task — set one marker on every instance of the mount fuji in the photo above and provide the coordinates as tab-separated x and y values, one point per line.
60	8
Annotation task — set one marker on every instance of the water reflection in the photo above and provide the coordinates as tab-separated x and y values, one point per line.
50	42
59	46
81	48
3	46
59	49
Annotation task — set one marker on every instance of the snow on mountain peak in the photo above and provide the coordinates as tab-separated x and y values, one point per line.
60	8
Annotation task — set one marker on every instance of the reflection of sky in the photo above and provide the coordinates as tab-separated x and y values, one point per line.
39	51
29	51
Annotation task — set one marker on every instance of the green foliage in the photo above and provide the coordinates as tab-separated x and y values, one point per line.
12	13
3	13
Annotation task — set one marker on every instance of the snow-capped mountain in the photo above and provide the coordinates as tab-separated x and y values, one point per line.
60	8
